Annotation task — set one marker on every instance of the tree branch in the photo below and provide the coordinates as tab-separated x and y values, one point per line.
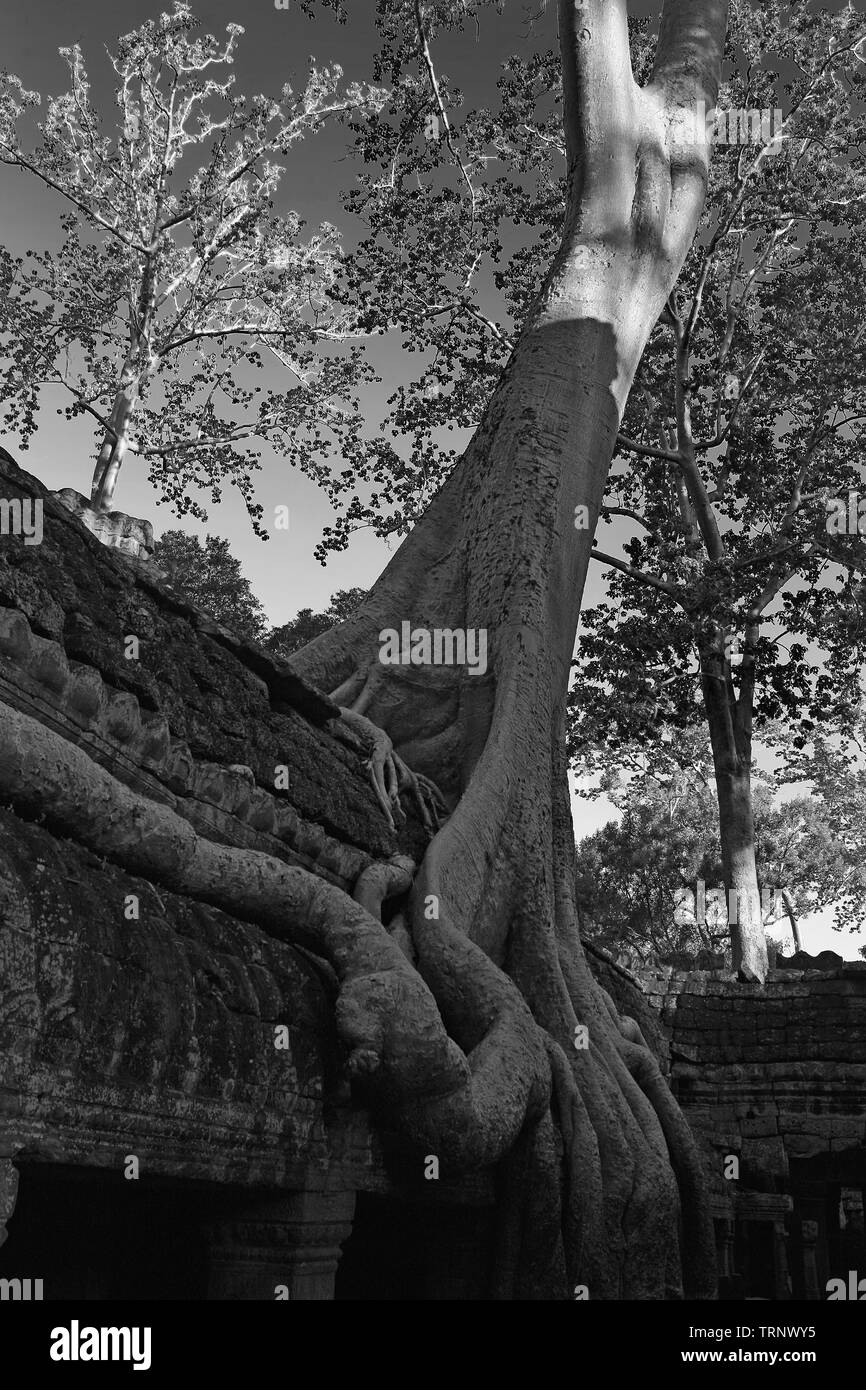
647	450
18	160
627	511
648	579
721	436
437	97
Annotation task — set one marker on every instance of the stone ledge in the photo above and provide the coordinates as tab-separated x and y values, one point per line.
227	699
137	746
157	1034
116	530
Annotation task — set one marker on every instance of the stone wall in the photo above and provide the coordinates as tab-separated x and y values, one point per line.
772	1079
155	1035
137	1023
193	703
774	1072
130	534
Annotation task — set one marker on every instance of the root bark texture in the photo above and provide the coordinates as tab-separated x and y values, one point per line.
601	1183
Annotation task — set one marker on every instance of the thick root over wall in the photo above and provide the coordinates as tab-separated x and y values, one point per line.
601	1181
602	1185
574	1132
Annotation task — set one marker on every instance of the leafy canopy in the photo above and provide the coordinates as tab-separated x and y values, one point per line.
176	280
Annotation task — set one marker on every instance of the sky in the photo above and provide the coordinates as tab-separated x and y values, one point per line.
275	48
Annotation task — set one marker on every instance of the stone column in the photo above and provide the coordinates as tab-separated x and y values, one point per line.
768	1211
278	1248
8	1194
781	1276
810	1262
726	1250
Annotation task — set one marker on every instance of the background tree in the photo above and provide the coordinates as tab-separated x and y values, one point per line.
172	285
293	635
460	212
748	414
210	577
832	762
638	877
632	875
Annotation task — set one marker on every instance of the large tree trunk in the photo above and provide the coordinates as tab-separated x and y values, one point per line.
606	1187
498	550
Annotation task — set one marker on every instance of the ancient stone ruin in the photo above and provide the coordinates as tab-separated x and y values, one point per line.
175	1116
772	1079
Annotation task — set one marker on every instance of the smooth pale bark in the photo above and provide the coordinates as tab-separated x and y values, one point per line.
133	378
729	724
736	820
792	918
113	450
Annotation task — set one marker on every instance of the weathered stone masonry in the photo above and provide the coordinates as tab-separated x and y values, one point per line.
154	1037
773	1076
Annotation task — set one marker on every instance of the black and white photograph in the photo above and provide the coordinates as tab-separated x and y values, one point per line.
432	672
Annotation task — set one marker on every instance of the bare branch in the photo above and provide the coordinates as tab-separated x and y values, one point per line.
637	574
437	97
17	159
627	511
647	450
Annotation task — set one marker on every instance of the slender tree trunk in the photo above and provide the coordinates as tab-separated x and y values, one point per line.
732	757
792	918
138	365
113	450
741	877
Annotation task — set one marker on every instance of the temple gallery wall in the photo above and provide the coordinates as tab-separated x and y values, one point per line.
175	1120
